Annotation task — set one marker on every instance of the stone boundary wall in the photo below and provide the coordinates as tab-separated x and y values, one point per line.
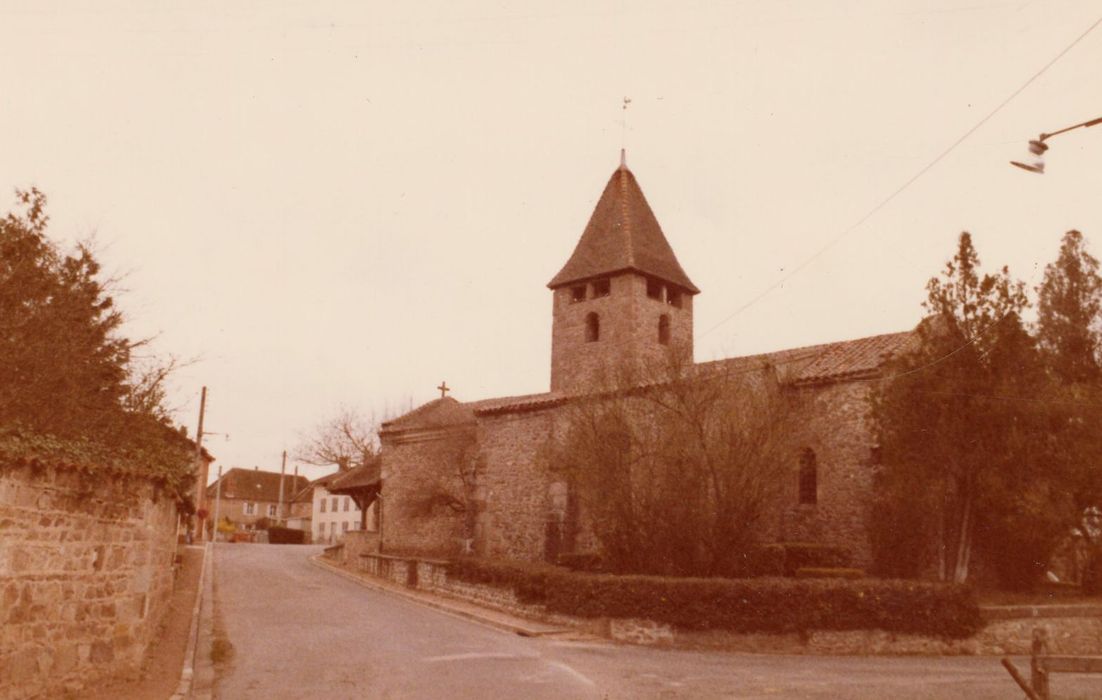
86	574
1070	631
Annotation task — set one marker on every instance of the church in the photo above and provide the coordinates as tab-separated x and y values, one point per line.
474	476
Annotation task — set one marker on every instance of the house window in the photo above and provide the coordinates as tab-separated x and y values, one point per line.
323	505
673	297
271	510
577	294
250	508
344	526
334	504
664	329
602	288
346	500
592	328
654	289
809	477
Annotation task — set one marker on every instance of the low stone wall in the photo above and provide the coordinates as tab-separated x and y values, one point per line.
86	573
358	542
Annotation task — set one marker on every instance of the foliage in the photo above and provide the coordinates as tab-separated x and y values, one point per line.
675	476
829	572
740	605
1069	306
980	447
64	363
285	535
70	390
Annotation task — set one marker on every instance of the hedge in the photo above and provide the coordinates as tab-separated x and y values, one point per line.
285	535
739	605
786	558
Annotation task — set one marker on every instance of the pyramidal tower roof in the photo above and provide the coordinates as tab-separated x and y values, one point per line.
623	234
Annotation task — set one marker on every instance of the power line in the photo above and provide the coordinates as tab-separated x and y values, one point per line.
884	202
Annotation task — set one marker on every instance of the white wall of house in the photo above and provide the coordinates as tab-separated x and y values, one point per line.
335	515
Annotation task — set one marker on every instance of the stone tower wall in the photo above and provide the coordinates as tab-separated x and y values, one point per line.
628	334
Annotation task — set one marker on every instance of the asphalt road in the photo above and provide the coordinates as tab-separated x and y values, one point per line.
301	632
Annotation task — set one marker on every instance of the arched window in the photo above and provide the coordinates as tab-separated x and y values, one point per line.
592	328
664	329
809	477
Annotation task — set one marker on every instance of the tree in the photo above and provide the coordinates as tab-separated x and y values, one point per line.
346	439
1069	305
70	388
674	477
63	363
978	444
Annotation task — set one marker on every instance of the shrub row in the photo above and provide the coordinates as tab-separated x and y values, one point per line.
786	558
739	605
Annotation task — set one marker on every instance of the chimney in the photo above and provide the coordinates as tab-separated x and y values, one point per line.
342	464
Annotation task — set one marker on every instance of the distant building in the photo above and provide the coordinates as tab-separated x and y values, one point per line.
332	515
247	495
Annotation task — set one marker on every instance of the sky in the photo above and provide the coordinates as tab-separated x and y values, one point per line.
323	204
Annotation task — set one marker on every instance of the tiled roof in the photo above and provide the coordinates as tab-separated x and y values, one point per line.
441	413
847	359
358	477
256	485
623	234
507	404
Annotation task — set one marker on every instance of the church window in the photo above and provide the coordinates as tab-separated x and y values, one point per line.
664	329
592	328
602	288
673	297
577	294
654	289
809	477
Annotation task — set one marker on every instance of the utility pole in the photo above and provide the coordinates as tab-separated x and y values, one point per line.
282	473
200	467
217	504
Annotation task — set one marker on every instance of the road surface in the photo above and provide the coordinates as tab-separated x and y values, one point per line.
299	631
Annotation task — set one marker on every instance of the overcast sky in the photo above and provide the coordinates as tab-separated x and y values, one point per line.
345	203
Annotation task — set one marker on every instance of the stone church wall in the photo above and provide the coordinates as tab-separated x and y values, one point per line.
414	470
86	573
832	420
516	485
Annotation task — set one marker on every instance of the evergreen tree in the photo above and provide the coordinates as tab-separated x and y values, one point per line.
1069	308
63	364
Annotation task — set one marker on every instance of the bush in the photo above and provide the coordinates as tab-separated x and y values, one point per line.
581	562
801	555
786	558
1092	577
829	572
285	535
739	605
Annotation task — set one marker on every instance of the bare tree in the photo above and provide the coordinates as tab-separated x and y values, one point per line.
347	438
675	476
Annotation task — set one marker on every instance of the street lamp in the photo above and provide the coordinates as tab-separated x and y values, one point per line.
1035	163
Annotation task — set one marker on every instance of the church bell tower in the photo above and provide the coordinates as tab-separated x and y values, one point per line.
622	305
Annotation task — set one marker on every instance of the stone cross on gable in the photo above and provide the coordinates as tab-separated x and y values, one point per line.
444	389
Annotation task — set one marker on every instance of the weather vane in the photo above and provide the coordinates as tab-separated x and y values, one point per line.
624	123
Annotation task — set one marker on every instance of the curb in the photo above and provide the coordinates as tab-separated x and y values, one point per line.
188	672
203	679
440	604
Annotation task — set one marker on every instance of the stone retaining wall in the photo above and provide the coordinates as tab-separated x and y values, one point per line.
86	573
